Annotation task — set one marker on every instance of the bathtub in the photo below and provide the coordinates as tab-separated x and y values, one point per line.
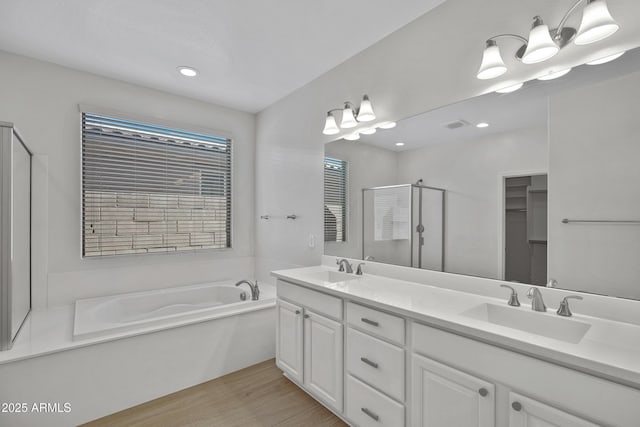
140	312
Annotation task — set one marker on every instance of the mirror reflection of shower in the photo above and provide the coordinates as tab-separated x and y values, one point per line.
404	225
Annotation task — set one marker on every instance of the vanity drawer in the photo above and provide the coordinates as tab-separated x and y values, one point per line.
376	322
367	407
376	362
316	301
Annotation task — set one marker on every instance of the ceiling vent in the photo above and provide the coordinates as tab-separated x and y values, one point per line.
457	124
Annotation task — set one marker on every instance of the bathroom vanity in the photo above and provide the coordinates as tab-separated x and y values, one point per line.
385	350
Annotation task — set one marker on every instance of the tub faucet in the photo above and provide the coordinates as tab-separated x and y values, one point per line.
255	291
344	265
537	304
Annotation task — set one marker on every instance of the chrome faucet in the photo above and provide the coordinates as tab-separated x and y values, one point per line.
359	269
537	304
563	310
513	299
255	291
344	265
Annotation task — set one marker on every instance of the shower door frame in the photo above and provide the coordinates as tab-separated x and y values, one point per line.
8	136
413	226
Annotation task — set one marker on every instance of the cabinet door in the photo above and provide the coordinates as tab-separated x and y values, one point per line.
323	374
289	339
445	397
526	412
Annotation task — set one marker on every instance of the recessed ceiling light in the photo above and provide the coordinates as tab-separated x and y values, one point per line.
369	131
387	125
607	59
399	144
352	137
482	125
188	71
511	88
555	74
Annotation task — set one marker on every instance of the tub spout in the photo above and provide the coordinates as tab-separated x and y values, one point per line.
255	291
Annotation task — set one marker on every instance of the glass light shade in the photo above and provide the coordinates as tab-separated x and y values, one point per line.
369	131
352	137
330	125
348	119
555	74
366	114
597	23
511	88
387	125
606	59
492	65
541	46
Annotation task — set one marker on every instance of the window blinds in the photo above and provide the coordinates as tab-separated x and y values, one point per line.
335	200
147	188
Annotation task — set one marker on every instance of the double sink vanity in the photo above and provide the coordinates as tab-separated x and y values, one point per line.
393	348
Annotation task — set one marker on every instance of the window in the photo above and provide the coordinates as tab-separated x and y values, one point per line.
147	188
335	200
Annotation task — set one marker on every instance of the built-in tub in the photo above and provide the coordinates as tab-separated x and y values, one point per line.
151	310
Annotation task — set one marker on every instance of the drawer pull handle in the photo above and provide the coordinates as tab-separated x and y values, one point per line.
306	316
517	406
483	392
369	413
370	322
297	311
369	362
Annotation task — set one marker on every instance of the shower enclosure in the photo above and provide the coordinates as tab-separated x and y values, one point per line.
15	234
404	225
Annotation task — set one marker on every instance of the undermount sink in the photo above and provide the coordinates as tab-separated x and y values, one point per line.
332	276
525	320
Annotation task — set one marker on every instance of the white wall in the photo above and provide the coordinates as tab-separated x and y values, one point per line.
471	173
42	100
427	64
594	174
368	166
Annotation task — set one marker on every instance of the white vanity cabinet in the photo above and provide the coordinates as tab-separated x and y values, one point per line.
527	412
289	328
446	397
309	342
375	366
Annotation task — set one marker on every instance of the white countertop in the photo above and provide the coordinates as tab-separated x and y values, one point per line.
609	349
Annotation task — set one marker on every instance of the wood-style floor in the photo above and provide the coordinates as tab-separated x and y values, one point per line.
256	396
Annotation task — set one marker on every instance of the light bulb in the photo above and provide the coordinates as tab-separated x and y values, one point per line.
492	65
482	125
348	119
187	71
352	137
366	114
330	125
540	46
597	23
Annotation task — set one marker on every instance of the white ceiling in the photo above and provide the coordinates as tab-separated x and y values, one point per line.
527	108
250	53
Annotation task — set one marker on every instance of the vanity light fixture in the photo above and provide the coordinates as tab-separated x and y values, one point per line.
543	43
554	74
606	59
350	116
511	88
187	71
482	125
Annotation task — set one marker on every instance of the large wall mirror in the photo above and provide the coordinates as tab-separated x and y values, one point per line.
541	184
